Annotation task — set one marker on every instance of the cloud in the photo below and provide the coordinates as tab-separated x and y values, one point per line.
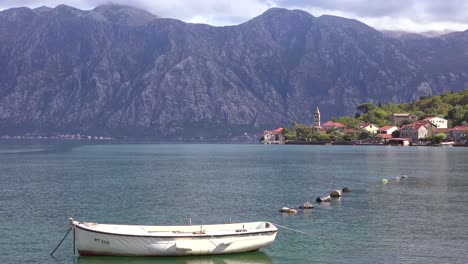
410	15
215	12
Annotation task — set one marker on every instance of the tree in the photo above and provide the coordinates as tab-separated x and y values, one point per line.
350	136
289	134
337	135
364	135
324	137
305	133
458	114
348	121
438	138
365	107
405	122
396	134
377	116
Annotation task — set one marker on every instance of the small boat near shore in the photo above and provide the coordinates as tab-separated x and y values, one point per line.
93	239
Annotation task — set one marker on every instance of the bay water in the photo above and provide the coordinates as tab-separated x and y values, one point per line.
420	219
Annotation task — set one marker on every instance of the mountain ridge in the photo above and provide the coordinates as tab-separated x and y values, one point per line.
74	70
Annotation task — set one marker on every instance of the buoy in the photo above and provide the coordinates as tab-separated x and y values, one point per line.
307	205
346	189
336	193
323	198
288	210
384	181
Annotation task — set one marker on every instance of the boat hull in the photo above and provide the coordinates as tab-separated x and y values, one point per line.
95	243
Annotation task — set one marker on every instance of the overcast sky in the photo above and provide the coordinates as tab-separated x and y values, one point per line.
406	15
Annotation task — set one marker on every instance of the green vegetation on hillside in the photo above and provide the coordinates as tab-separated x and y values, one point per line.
450	105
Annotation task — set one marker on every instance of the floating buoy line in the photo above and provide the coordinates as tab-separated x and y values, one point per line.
291	229
398	178
337	193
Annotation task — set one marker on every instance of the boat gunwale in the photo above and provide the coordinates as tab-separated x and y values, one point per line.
177	235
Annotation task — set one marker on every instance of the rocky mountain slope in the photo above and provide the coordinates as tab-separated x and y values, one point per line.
124	71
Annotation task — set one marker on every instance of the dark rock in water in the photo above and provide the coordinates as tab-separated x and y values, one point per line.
306	205
346	189
288	210
323	198
336	193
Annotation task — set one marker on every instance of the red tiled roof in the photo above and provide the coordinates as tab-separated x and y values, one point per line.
443	130
385	128
333	124
405	126
363	125
279	130
416	125
274	131
339	124
384	135
463	128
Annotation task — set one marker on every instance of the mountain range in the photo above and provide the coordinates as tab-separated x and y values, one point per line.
123	71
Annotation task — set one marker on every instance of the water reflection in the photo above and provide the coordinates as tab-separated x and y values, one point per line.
244	258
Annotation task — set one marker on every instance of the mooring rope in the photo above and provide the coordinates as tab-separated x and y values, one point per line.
212	241
298	231
61	241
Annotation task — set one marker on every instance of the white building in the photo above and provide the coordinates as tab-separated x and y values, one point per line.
437	121
385	132
371	128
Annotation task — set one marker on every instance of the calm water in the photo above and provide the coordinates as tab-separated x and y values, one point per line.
421	219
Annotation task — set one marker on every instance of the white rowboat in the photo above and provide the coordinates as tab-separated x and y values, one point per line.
93	239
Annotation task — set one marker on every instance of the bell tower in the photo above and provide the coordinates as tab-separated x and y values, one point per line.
317	118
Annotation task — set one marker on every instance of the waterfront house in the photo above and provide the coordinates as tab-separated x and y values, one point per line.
460	134
396	119
399	141
385	132
438	121
417	131
371	128
446	131
330	125
273	136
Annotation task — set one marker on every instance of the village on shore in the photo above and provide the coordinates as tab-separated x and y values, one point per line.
404	129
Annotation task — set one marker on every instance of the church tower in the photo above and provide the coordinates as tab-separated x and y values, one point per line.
317	118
